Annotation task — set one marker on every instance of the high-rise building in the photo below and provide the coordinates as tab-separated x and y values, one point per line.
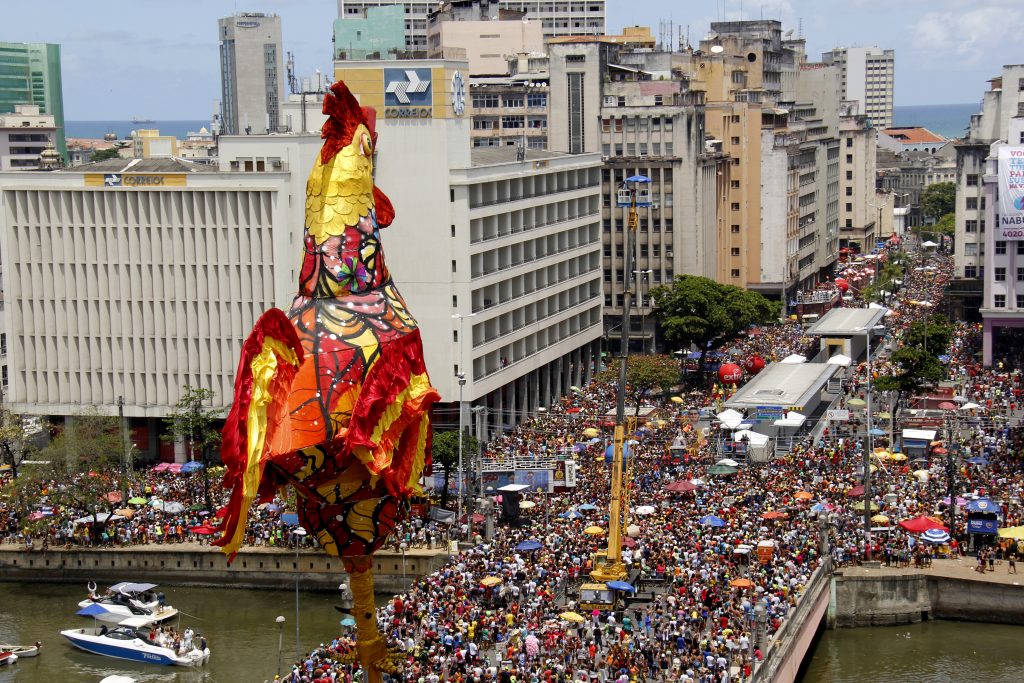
776	115
650	123
557	17
988	257
860	209
30	74
867	76
252	74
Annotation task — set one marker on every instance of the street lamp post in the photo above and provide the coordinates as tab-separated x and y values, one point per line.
640	276
461	375
299	533
280	641
870	446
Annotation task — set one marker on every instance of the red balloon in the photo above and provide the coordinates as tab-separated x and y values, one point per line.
730	373
842	284
754	364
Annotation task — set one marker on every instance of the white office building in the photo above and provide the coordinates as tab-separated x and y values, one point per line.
868	76
132	278
510	240
557	17
252	72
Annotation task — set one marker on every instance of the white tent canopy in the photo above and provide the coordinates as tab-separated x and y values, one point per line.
792	419
730	418
794	359
753	438
840	359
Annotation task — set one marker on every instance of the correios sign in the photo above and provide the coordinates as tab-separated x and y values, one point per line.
1011	193
135	180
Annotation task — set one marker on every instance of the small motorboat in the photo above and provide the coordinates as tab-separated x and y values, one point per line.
8	658
130	640
128	599
22	650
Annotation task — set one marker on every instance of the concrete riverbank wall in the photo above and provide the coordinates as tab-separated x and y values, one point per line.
792	642
873	599
195	565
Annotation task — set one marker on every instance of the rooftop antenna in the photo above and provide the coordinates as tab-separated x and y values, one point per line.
800	28
293	82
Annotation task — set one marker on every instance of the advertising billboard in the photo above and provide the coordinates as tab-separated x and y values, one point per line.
1011	193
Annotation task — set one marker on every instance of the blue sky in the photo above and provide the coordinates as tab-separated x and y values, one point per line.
158	58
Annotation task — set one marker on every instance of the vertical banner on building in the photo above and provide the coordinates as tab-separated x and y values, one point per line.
1011	192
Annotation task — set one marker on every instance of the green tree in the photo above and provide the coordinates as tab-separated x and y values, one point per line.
645	375
15	440
932	335
446	454
937	200
196	425
915	368
699	311
104	154
83	461
946	225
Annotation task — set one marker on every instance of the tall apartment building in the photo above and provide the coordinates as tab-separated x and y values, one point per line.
776	116
650	123
868	76
131	278
557	17
252	74
30	74
24	136
998	122
860	211
468	30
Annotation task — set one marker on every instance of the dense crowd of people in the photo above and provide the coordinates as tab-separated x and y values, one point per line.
707	603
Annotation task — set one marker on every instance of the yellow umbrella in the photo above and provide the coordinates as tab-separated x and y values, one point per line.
880	519
677	399
594	531
1016	532
740	583
490	581
527	504
922	475
897	457
873	468
590	433
572	616
803	495
124	512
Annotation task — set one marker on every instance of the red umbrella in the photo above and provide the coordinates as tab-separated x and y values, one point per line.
946	405
919	525
855	491
774	514
113	496
203	530
681	486
939	450
628	542
221	513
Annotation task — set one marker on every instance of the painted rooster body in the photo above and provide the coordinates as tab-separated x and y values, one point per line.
334	399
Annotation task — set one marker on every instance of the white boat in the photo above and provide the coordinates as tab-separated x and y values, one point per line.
117	678
8	658
127	599
22	650
130	640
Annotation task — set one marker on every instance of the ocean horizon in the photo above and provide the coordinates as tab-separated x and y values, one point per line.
948	120
123	129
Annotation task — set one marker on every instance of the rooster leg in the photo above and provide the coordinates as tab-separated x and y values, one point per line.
370	643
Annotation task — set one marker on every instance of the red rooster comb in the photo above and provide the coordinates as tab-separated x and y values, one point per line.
344	116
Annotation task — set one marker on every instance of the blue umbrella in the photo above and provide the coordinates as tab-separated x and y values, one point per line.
627	449
981	505
348	620
192	466
875	431
526	546
571	514
711	520
93	610
621	586
586	507
272	507
638	179
977	460
291	518
944	358
817	507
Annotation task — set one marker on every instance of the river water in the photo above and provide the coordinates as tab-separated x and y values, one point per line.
929	652
238	624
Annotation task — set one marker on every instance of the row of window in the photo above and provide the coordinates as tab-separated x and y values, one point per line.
999	301
512	101
631	149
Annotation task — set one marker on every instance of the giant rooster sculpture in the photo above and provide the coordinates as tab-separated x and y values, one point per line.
334	399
